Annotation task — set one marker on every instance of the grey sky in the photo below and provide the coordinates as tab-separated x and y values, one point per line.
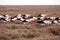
29	2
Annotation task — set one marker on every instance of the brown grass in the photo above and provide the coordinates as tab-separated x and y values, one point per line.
30	31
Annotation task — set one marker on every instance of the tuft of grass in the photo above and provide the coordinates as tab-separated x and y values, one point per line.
4	38
54	32
13	36
39	25
12	27
29	36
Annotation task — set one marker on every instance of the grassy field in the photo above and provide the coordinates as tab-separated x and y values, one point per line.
30	31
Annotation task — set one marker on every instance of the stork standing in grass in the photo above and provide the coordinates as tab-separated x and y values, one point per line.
49	22
25	16
29	20
42	19
50	18
19	16
41	16
56	21
14	18
5	18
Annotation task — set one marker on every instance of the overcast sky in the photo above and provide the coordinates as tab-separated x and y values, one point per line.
29	2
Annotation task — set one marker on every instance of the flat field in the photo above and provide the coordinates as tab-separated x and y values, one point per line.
30	31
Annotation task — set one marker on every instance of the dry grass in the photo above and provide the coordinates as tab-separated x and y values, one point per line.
30	31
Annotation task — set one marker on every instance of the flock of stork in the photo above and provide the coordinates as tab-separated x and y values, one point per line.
27	18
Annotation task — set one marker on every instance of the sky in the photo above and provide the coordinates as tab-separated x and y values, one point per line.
29	2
